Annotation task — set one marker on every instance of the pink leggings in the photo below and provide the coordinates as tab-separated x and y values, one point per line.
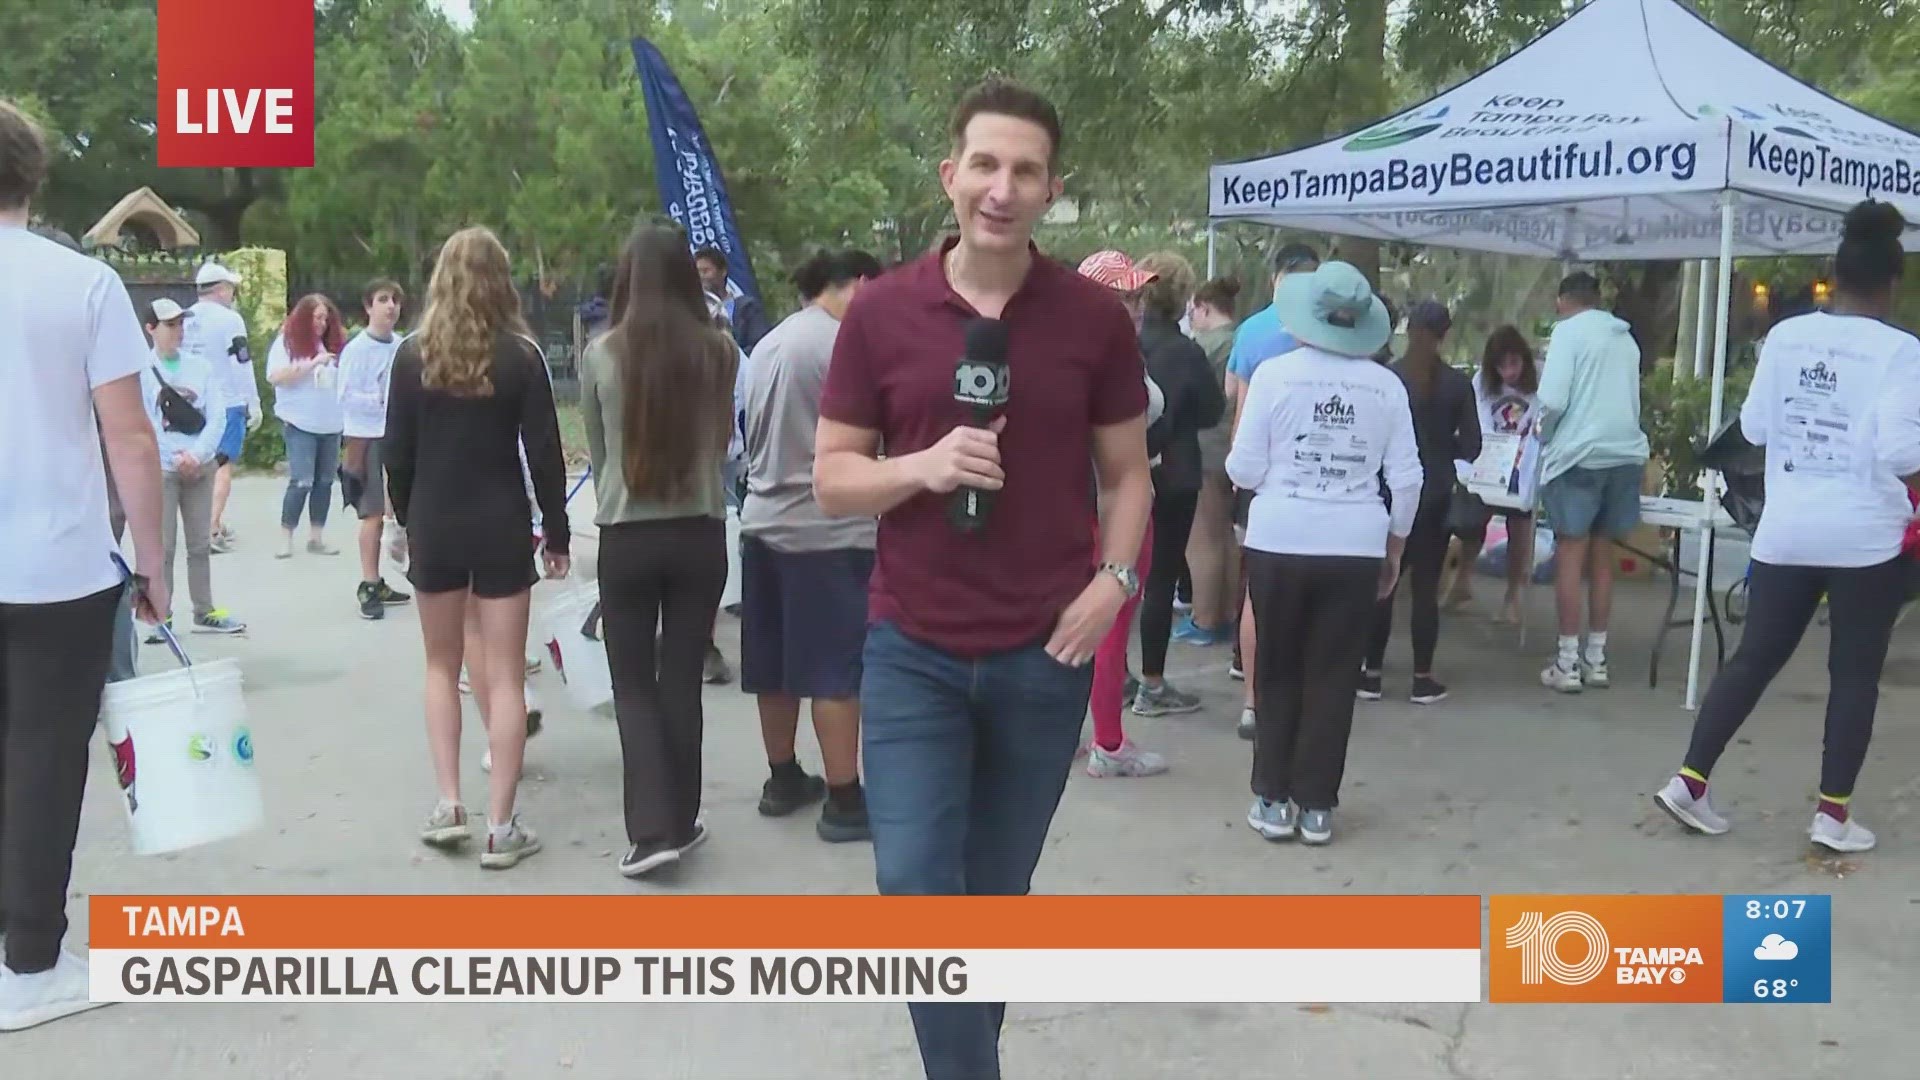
1110	663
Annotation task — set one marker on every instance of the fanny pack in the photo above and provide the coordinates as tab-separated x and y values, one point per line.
178	413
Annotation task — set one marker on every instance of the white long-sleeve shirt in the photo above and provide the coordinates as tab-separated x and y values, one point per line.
217	334
1316	433
366	367
1836	402
195	381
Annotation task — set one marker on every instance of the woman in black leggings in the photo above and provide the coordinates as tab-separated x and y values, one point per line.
1836	402
1195	402
657	396
1447	424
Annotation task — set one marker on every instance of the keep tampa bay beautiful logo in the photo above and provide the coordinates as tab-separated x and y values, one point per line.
1605	948
236	84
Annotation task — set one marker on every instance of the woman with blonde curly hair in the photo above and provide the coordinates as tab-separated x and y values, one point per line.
469	388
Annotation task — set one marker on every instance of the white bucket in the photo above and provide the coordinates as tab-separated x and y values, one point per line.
180	744
579	660
731	594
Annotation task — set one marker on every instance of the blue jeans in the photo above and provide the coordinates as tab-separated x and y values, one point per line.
1584	502
966	760
311	462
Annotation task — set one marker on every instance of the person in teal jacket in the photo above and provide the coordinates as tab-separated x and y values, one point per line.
1594	455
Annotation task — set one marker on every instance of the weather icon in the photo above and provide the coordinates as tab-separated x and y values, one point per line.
1775	947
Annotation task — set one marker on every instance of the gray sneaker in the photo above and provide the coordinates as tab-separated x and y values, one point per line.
446	827
507	850
1847	836
1316	826
1696	814
1163	700
1274	820
218	621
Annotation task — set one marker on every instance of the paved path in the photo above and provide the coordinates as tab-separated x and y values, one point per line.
1502	788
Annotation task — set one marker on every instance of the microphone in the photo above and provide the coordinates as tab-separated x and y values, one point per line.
979	386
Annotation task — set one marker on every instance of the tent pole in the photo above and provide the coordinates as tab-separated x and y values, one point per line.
1700	337
1213	259
1709	480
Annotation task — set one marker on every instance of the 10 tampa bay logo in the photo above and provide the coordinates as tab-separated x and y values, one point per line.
1398	130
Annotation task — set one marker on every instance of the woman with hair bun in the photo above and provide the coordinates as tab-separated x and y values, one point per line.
1836	402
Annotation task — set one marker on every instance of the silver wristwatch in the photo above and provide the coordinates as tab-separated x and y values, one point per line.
1125	575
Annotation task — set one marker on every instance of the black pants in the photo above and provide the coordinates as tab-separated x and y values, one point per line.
1311	614
1172	524
1421	564
53	668
1781	600
664	575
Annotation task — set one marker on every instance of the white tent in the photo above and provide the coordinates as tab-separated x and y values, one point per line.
1632	130
1611	136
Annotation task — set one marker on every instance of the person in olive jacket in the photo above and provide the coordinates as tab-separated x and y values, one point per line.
1195	402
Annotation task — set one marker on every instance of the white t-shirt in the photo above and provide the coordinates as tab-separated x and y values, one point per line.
310	402
1315	435
67	327
218	335
1836	402
366	370
1506	411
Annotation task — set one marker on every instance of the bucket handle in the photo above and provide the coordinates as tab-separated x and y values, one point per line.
166	632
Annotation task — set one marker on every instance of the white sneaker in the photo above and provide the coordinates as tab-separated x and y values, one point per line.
44	996
1562	679
1129	761
1696	814
1595	675
1844	836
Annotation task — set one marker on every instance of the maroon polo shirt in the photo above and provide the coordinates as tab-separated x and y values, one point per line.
1073	364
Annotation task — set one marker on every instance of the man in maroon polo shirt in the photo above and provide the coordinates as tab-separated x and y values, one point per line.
977	663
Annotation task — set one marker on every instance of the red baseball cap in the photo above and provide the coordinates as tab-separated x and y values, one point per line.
1114	270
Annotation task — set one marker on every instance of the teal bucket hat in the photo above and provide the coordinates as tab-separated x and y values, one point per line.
1333	308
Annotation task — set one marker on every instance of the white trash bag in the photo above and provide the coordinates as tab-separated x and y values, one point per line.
731	594
578	647
183	753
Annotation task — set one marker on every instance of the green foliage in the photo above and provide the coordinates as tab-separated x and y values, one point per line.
1675	415
829	116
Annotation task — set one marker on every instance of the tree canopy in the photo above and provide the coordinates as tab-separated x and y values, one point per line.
828	116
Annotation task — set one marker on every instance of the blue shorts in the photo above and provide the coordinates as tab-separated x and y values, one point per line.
1582	502
234	438
803	620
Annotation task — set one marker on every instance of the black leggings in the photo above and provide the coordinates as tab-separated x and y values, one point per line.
1311	614
665	576
53	669
1172	524
1424	559
1781	600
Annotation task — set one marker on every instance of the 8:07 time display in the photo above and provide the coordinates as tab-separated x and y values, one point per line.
1781	907
1779	949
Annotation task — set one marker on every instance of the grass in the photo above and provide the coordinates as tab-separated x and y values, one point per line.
573	436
